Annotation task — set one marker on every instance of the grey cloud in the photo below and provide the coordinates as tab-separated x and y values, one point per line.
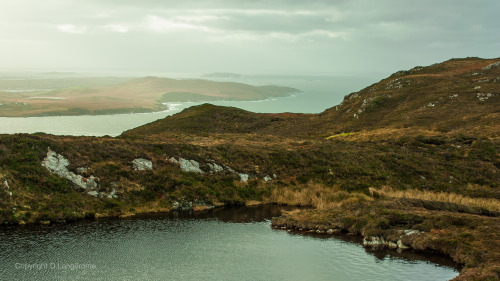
319	34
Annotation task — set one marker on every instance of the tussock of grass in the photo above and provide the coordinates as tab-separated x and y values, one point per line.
485	203
316	195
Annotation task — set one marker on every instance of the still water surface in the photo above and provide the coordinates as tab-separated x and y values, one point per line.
224	244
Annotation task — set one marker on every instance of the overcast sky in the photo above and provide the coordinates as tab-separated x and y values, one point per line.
266	36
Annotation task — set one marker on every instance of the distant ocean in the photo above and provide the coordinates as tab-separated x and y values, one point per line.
317	94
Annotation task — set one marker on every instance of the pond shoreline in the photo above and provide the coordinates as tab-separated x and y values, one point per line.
283	222
474	263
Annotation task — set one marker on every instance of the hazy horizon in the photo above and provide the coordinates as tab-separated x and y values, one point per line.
248	37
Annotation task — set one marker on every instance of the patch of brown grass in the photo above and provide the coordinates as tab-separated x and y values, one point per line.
315	195
447	197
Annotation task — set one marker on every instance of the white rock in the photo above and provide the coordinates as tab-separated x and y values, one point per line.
173	160
477	87
214	168
267	178
243	177
6	183
401	245
187	165
410	231
229	169
93	193
81	170
493	65
190	166
57	164
483	96
141	164
392	245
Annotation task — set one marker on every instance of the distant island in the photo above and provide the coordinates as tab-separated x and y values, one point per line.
112	95
223	74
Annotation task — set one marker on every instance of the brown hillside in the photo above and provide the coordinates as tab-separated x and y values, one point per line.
456	96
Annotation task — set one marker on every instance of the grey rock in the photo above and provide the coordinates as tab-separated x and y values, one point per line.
6	183
243	177
410	231
173	160
190	166
111	195
333	231
374	241
93	193
183	205
267	178
483	96
401	245
379	241
187	165
493	65
392	245
57	164
214	168
186	205
81	170
274	176
141	164
229	169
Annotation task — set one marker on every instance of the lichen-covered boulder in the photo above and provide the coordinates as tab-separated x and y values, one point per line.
141	164
58	165
187	165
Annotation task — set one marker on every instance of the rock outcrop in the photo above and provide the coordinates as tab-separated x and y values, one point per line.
141	164
194	167
493	65
381	242
58	165
214	168
187	165
243	177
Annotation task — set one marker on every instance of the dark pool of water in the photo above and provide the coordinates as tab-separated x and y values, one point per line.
223	244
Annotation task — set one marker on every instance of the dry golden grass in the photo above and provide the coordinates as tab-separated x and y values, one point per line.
384	134
315	195
486	203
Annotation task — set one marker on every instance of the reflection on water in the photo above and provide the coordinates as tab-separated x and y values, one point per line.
223	244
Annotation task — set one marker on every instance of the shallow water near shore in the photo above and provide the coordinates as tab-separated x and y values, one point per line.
222	244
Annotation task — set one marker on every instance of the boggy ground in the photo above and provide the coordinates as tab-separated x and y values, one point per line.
469	239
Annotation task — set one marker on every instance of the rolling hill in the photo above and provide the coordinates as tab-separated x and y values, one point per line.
137	95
